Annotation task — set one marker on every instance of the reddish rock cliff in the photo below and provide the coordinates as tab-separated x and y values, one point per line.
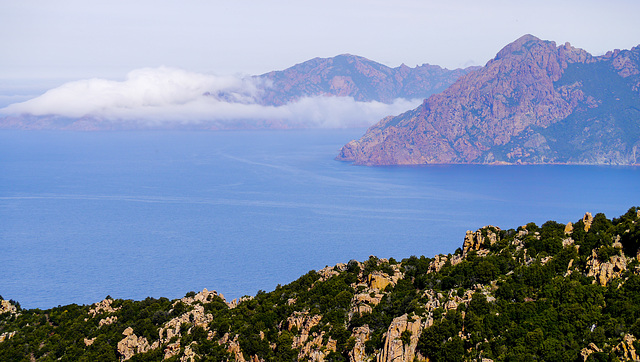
499	112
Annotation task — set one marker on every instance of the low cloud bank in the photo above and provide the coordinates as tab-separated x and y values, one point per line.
167	96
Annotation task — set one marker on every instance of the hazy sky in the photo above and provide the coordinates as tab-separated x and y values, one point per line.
153	61
74	39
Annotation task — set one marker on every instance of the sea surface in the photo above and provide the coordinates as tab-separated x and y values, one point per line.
137	214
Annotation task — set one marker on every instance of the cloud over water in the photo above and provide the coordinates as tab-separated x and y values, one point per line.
173	97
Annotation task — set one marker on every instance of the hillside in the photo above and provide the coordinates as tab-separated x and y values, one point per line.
553	292
357	77
345	87
535	102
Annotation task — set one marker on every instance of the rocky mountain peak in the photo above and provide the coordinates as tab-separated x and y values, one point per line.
503	112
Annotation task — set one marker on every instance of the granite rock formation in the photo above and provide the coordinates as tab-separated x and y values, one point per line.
535	102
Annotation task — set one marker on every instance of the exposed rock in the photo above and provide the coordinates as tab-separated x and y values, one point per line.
568	229
6	335
524	106
587	351
605	272
303	323
103	306
107	321
487	235
626	350
195	317
88	342
132	344
378	280
171	350
234	303
204	296
361	335
234	348
395	350
587	219
364	303
314	350
7	307
189	355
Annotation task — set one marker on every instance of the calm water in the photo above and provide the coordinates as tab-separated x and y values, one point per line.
131	215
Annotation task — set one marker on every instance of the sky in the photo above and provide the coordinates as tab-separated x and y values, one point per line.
45	44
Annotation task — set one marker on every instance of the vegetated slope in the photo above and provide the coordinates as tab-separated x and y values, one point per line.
553	292
357	77
533	103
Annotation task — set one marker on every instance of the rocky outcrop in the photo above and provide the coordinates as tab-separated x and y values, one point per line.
587	219
103	306
107	321
535	102
604	272
7	307
361	336
626	350
195	317
587	351
401	340
132	344
303	322
7	335
487	235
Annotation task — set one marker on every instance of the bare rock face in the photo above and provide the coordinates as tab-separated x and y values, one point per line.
361	335
103	306
626	349
605	272
568	229
587	219
7	307
195	317
587	351
132	344
487	235
303	323
504	113
396	348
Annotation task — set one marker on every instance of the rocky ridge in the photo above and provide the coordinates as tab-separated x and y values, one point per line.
349	75
504	294
535	102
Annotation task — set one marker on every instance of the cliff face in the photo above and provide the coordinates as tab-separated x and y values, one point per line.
551	292
535	102
353	76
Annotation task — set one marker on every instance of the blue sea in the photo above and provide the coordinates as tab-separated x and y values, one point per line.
137	214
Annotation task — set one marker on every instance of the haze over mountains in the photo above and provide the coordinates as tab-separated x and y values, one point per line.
343	91
535	102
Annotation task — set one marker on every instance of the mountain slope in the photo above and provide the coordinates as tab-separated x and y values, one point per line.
553	292
533	103
357	77
167	98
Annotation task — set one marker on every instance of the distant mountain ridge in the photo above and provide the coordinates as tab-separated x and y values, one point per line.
535	102
341	76
349	75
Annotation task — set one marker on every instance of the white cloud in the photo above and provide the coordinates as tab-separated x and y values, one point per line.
163	96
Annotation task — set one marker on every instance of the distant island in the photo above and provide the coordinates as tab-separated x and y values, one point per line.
554	292
534	103
341	77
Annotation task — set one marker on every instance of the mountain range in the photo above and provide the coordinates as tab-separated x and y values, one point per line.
533	103
254	102
357	77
